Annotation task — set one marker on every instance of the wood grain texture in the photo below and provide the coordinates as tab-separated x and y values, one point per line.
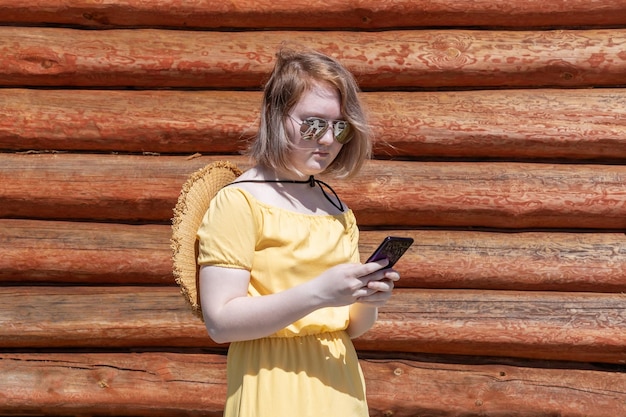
549	260
421	388
103	253
85	253
388	59
289	14
178	384
548	325
500	140
114	384
585	327
128	121
570	125
386	193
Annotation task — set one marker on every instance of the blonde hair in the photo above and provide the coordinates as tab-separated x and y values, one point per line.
295	73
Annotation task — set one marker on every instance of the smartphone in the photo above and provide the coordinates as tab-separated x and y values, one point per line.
392	248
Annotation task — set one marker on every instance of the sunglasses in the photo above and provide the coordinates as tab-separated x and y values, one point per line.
313	128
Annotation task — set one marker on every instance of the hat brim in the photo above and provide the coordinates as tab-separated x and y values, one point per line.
193	202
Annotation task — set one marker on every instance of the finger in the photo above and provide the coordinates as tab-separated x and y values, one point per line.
377	274
364	292
381	276
392	274
377	265
381	285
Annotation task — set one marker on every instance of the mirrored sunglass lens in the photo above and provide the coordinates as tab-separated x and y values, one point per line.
313	128
342	131
339	127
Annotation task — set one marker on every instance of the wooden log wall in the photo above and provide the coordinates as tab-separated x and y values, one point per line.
500	147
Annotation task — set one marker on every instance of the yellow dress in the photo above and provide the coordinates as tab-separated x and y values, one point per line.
309	368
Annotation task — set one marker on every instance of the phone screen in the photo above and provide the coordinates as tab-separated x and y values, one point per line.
392	248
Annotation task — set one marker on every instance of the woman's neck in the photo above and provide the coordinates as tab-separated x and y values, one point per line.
267	173
292	188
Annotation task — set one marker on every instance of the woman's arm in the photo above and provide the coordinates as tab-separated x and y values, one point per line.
364	313
362	318
230	315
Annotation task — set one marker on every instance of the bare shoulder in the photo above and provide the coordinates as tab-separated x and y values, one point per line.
253	183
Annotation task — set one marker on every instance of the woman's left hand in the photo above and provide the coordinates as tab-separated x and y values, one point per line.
383	288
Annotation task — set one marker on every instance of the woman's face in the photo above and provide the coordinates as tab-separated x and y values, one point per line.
313	156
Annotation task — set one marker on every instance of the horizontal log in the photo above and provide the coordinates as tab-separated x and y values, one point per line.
173	384
539	261
104	253
289	14
407	388
127	121
557	326
87	253
585	327
386	193
515	124
389	59
115	384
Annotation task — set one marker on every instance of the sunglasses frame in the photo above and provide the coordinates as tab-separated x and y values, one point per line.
311	124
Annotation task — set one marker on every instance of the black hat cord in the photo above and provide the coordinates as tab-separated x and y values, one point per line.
312	181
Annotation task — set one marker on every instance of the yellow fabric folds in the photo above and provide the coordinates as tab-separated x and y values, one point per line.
309	368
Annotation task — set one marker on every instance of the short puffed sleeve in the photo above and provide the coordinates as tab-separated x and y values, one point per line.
227	234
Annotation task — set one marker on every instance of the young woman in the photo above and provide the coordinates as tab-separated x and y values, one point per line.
280	277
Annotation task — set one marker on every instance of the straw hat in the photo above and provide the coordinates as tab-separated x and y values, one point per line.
192	204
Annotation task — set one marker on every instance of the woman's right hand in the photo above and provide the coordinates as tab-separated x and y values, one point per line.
346	284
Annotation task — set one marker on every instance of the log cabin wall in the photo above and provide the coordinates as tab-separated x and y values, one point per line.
500	147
